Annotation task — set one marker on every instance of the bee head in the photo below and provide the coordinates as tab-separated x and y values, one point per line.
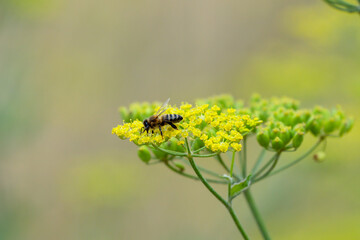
146	124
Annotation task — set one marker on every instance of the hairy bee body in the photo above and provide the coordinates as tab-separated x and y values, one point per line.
174	118
155	121
158	120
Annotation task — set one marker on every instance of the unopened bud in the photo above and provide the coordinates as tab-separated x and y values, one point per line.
197	144
263	138
285	135
180	166
346	126
275	133
144	154
298	139
277	144
314	128
330	125
319	156
124	114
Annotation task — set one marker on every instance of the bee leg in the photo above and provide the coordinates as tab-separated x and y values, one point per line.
152	131
161	131
172	125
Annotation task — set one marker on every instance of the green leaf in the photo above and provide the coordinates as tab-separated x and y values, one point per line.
238	187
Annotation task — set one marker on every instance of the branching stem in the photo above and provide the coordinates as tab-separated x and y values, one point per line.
208	186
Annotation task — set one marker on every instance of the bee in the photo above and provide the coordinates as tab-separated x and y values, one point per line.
158	121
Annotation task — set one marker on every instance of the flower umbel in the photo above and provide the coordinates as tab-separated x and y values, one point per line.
215	128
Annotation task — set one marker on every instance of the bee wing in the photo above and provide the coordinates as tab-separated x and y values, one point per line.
163	108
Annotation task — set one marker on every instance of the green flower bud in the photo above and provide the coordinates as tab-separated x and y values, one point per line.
239	104
319	156
212	132
180	148
172	144
255	98
297	118
298	139
299	127
263	114
330	125
346	126
144	154
288	117
226	101
275	133
180	166
263	138
315	128
285	135
197	144
277	144
305	116
124	113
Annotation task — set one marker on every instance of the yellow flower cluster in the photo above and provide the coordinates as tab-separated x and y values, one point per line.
216	129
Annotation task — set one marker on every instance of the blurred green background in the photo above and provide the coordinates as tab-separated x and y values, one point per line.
66	67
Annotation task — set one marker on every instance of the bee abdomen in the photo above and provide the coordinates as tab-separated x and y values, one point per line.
173	118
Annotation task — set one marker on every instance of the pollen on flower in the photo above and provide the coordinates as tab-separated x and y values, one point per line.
217	128
185	106
224	146
231	111
204	137
215	108
184	134
236	146
215	123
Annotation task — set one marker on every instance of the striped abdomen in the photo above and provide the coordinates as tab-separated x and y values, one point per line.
172	118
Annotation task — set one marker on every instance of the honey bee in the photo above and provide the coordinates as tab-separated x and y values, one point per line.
159	121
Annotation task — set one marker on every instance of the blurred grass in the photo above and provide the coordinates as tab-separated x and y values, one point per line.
66	67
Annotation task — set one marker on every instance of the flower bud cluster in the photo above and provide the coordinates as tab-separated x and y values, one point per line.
286	124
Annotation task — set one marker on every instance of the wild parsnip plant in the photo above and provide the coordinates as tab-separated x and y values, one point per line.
217	125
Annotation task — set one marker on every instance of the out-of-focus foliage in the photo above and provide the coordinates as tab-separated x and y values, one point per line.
344	5
321	62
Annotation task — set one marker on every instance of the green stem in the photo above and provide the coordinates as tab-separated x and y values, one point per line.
220	160
205	155
200	149
231	174
191	176
299	159
205	170
270	169
216	195
264	167
259	161
232	164
256	214
222	163
243	162
169	151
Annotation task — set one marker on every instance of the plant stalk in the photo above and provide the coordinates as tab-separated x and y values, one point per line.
208	186
256	214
